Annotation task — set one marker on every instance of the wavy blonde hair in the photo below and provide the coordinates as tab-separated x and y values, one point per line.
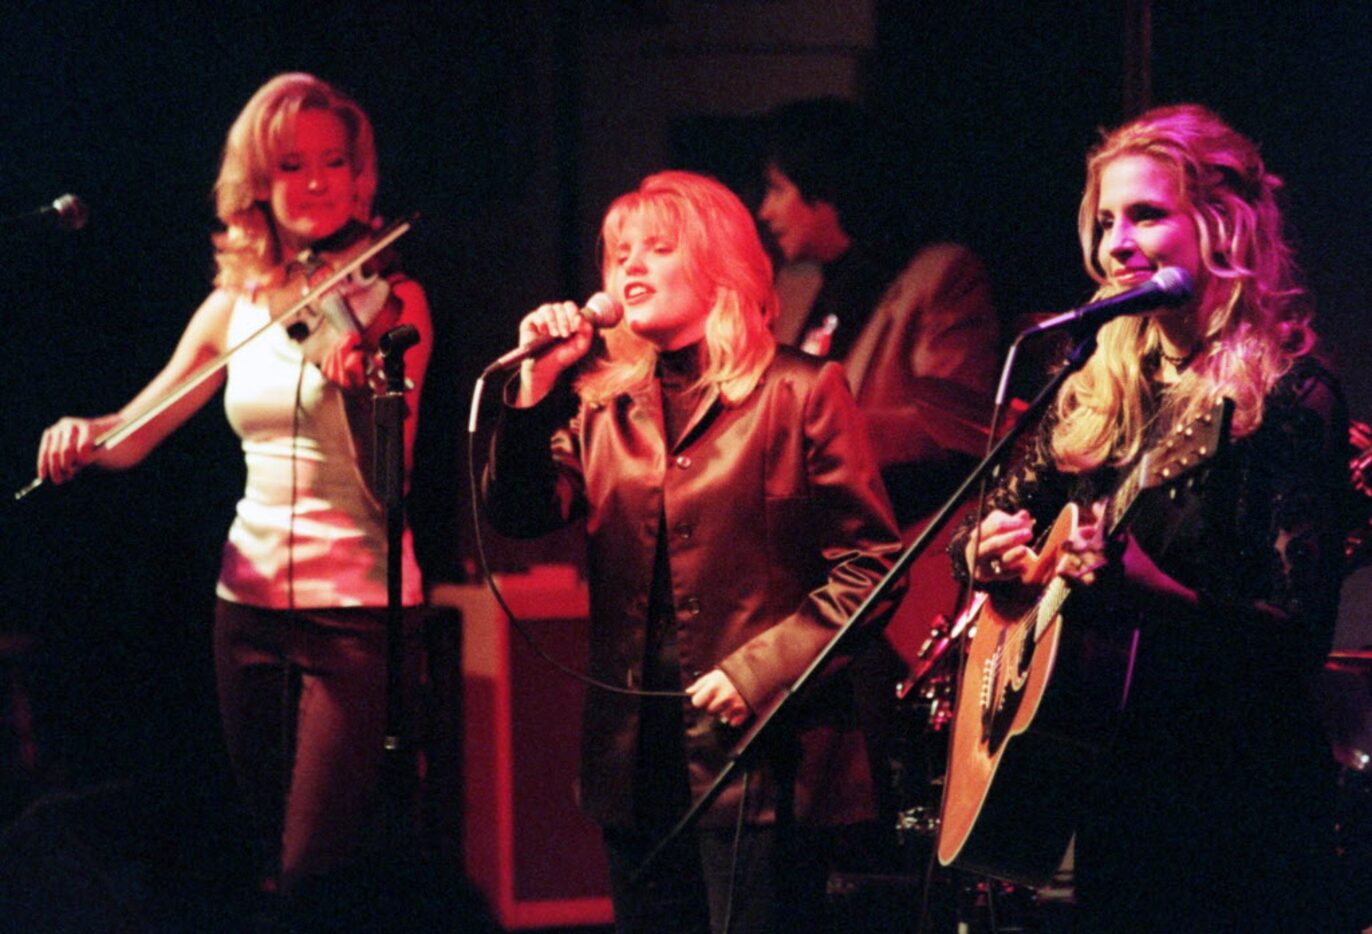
723	258
248	249
1253	317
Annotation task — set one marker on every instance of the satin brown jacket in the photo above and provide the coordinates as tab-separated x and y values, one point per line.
777	527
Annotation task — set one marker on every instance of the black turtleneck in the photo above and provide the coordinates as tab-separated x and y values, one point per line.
661	786
678	373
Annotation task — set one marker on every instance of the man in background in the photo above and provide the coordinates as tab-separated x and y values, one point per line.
913	323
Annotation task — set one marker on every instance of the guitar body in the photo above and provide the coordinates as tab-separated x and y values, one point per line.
1039	697
1031	716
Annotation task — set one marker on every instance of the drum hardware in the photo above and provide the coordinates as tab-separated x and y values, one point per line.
1345	694
1353	661
932	678
1358	543
931	650
925	701
920	820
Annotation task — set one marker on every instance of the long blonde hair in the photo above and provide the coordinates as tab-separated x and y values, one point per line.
1253	318
724	258
248	248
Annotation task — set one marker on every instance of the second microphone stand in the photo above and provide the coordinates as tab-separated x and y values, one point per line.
388	418
767	720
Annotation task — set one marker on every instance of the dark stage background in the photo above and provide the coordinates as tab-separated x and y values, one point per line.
490	125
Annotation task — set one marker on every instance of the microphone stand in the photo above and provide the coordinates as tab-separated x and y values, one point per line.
388	417
1084	344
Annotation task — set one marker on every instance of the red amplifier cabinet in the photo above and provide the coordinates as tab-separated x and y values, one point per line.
527	847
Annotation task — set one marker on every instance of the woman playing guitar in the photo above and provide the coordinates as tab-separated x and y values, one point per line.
1210	809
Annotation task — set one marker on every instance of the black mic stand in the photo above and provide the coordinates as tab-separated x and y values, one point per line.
1084	344
388	417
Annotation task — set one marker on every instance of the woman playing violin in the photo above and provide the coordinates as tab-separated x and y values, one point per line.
299	621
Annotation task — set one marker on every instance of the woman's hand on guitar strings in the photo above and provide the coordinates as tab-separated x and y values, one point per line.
1085	553
1088	558
1002	546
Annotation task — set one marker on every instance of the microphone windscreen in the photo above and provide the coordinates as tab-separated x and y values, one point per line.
1174	282
71	212
602	310
399	338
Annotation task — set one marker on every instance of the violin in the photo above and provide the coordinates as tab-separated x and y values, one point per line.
358	305
320	316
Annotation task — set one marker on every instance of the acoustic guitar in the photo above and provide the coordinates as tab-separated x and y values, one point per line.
1037	698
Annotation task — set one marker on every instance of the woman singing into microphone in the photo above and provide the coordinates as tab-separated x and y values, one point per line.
735	518
299	623
1211	808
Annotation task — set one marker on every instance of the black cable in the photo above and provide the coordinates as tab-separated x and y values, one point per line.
290	515
733	859
993	925
489	578
287	735
924	899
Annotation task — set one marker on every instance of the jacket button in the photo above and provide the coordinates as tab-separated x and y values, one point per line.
683	461
691	606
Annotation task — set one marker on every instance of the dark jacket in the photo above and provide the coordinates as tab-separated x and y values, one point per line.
777	527
1219	754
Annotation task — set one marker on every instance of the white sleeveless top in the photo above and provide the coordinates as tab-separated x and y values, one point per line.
306	532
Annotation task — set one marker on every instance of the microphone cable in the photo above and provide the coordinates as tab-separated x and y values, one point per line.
489	577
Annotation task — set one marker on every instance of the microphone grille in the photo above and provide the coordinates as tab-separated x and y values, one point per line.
602	310
71	212
1175	283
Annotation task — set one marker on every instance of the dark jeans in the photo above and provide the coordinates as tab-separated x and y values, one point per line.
303	704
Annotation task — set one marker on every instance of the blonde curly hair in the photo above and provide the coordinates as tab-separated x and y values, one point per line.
1253	317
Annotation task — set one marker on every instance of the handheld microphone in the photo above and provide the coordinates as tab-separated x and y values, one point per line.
1169	287
68	212
600	309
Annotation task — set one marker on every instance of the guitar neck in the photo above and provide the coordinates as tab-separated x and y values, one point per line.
1119	506
1180	452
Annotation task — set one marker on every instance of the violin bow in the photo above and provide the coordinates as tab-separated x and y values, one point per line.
117	434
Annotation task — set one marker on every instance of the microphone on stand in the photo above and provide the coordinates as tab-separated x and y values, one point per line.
1169	287
601	310
398	339
68	212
